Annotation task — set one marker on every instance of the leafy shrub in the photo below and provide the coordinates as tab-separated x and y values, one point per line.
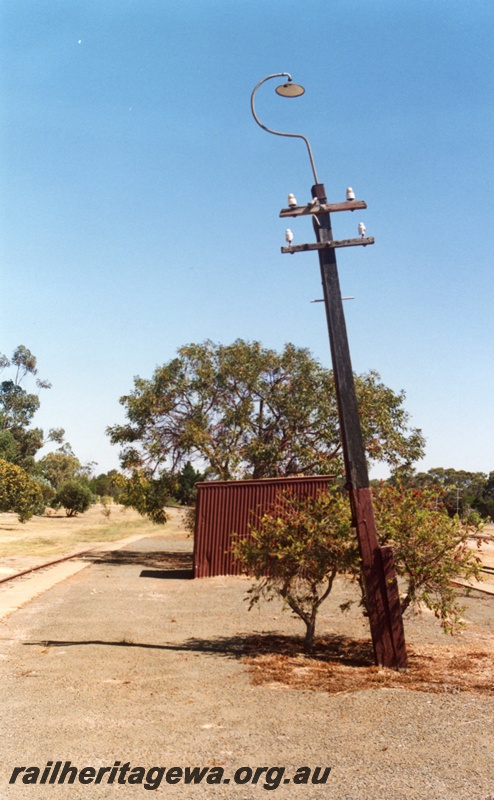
19	492
47	493
147	495
189	520
106	502
74	496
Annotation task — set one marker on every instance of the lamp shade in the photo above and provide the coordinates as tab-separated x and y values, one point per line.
290	89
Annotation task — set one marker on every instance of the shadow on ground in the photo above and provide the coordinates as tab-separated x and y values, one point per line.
339	664
351	652
157	563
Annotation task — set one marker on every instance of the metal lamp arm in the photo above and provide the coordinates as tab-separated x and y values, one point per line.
280	133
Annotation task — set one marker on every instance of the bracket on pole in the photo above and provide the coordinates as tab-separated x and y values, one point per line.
322	208
301	248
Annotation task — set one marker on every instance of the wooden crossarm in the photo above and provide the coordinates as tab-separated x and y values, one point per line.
301	248
300	211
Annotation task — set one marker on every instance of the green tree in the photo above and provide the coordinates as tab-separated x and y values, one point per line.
19	492
47	492
461	491
59	467
187	478
485	504
147	495
75	497
8	446
106	484
247	411
300	545
19	443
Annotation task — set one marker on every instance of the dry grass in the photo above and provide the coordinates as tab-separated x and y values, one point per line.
55	533
341	664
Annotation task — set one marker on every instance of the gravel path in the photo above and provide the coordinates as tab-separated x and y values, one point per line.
130	661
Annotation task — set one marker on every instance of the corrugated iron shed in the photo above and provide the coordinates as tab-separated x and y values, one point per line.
226	507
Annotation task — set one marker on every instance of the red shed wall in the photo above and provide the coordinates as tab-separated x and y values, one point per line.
226	507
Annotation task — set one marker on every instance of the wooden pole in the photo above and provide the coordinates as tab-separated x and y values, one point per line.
383	603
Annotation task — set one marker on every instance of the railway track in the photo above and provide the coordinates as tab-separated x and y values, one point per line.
85	553
46	564
19	588
116	545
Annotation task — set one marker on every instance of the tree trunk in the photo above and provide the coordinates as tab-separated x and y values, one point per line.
310	625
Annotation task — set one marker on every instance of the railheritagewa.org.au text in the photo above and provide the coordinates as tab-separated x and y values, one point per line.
151	778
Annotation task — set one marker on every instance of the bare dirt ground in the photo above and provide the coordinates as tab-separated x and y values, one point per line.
130	659
341	662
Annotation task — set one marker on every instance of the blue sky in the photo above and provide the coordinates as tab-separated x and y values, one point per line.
140	201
